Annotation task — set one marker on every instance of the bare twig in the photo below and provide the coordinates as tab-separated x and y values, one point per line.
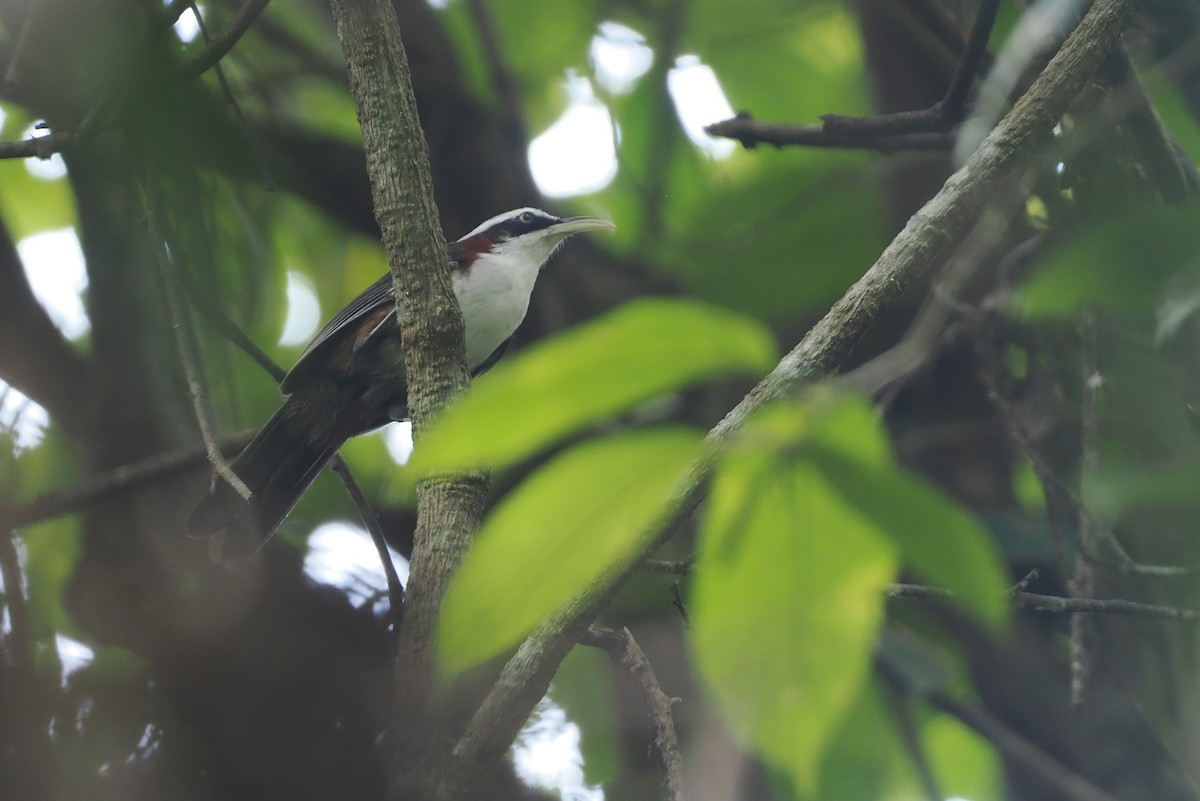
448	508
60	502
1083	582
922	129
187	352
371	521
223	42
20	644
626	653
1125	563
1015	747
680	568
234	105
972	56
43	147
14	60
751	133
40	147
900	705
217	319
1055	604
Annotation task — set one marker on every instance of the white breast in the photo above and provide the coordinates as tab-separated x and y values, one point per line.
494	295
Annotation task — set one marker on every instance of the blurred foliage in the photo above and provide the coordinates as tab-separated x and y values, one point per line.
587	376
581	516
818	505
807	520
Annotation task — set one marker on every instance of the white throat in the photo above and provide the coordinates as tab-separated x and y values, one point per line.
494	295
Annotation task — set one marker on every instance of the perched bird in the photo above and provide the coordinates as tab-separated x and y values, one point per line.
350	379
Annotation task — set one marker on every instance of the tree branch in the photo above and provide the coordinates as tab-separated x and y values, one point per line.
449	509
1055	604
1020	750
922	129
223	42
60	502
626	653
751	133
929	235
34	357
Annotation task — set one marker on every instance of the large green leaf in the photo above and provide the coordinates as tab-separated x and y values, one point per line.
965	763
841	436
939	539
583	687
787	600
1122	263
582	515
587	375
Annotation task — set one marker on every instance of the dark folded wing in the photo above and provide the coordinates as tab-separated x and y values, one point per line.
369	300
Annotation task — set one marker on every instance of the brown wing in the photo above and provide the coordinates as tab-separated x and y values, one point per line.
345	323
351	320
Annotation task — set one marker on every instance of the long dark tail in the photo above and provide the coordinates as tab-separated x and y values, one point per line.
277	466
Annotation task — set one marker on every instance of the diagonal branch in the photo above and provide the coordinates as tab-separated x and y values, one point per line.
34	356
627	654
922	129
932	232
223	42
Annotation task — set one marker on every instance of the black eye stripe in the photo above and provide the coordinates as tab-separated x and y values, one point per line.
523	223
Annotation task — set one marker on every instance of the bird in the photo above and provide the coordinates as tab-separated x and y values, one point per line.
350	378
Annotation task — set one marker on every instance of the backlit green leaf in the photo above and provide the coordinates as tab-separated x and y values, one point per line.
1122	264
575	520
940	540
587	375
786	602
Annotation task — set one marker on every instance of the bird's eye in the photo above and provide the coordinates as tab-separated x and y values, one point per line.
526	218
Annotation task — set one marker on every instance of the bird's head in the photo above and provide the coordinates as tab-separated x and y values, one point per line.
527	235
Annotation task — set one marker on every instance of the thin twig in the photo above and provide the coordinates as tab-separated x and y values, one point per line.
219	321
900	705
20	644
37	147
10	72
680	568
60	502
1020	750
920	129
751	133
371	521
223	42
234	105
1083	580
972	56
623	649
187	354
1056	604
1125	563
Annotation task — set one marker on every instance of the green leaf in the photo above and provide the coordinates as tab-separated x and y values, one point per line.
51	551
841	436
583	687
850	772
586	375
1122	263
787	600
581	516
965	764
939	539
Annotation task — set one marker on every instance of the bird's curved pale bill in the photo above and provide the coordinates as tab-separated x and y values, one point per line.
575	225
